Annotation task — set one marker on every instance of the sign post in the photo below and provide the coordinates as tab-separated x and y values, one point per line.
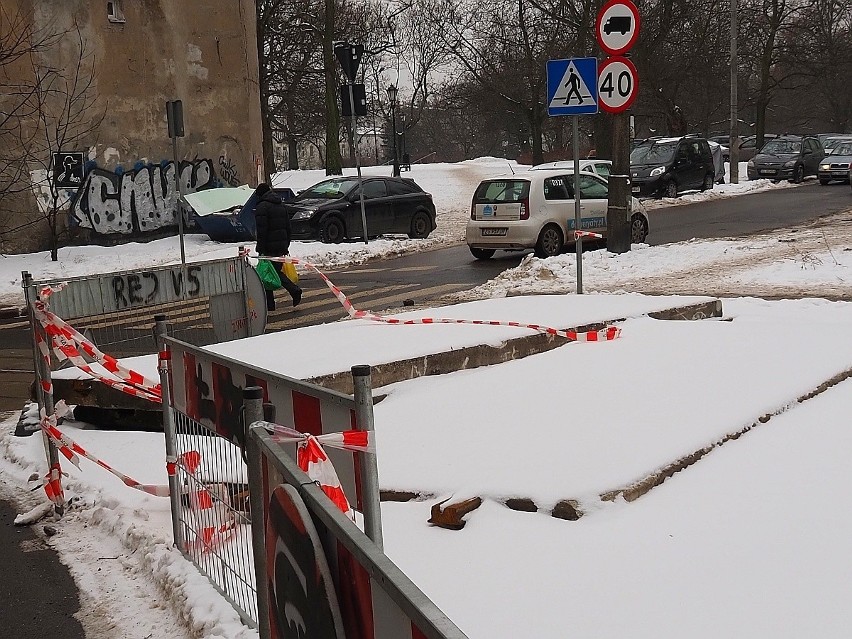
572	89
174	117
616	30
349	56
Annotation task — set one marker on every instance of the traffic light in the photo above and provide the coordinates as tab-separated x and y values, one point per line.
349	56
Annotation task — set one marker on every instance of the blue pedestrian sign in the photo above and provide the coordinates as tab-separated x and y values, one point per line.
572	86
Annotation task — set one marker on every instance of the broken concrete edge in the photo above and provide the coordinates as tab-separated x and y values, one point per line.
470	357
566	509
643	486
570	509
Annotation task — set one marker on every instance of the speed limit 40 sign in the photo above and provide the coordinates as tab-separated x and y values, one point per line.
618	83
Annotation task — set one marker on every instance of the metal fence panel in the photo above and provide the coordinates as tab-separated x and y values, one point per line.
208	388
373	597
214	514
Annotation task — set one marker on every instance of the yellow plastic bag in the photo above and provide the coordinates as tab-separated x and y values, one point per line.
290	272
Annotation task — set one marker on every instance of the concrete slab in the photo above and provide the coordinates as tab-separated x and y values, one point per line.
324	354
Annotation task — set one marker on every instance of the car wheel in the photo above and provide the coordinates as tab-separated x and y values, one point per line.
670	190
709	179
481	253
798	174
421	226
638	229
332	230
824	182
550	242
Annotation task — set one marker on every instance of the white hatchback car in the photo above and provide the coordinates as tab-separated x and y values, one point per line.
535	210
600	167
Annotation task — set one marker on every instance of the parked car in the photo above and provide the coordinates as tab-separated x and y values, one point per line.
331	210
833	141
835	165
600	167
535	210
748	147
667	166
790	157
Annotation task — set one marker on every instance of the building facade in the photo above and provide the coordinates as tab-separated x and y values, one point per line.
99	156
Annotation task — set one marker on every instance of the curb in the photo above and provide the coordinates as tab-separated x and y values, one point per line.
10	312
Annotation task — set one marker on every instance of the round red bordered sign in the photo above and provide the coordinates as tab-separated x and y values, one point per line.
618	84
617	26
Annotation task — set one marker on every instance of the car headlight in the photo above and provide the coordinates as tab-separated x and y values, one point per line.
750	164
304	214
790	164
658	171
824	167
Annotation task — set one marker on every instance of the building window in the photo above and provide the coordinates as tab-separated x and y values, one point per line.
114	13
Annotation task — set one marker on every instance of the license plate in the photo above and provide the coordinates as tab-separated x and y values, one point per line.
839	173
636	189
768	171
493	232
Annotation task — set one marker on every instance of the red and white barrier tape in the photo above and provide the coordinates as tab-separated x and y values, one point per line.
358	440
211	505
66	345
72	450
312	458
607	334
579	234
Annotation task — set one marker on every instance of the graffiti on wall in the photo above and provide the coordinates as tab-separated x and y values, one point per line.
228	171
137	201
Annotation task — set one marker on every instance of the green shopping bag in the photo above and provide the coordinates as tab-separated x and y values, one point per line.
268	275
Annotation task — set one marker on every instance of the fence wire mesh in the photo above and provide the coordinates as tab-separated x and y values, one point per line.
214	513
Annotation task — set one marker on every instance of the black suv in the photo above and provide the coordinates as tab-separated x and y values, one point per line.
331	210
666	166
789	157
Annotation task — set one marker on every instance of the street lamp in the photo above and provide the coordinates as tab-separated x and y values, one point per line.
392	91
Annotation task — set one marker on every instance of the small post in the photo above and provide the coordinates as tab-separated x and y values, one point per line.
163	367
369	465
43	378
578	243
253	407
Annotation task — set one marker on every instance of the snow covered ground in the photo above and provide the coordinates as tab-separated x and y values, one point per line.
750	541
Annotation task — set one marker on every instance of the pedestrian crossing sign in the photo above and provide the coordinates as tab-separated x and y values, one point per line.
572	86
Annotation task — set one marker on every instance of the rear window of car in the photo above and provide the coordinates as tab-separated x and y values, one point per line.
502	191
331	189
402	188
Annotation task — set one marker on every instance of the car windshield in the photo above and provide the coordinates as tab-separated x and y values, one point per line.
656	153
842	148
782	147
329	189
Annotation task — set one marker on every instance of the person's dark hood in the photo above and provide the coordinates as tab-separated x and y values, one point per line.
271	196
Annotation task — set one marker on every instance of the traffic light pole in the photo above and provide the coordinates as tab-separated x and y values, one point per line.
358	161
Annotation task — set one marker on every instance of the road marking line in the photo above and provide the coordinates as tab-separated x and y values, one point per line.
381	303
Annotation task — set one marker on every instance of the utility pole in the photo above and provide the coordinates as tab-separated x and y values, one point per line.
734	148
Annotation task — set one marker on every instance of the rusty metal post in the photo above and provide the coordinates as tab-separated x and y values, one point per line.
44	392
253	412
164	366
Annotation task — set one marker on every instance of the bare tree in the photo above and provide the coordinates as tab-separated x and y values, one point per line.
19	40
66	114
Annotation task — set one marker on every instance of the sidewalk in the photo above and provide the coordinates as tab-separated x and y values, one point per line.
38	597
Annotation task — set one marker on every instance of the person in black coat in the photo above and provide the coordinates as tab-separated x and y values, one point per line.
273	239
